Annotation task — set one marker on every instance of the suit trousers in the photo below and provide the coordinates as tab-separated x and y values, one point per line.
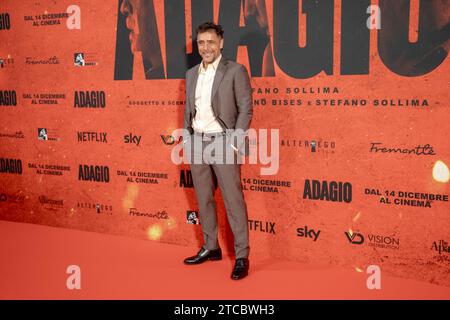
208	153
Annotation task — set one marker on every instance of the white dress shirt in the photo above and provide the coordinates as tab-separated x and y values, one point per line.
204	120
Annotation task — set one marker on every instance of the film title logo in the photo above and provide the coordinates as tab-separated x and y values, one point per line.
138	37
441	246
5	21
93	173
12	166
89	99
8	98
327	191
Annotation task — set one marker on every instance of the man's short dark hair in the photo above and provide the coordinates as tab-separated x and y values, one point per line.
204	27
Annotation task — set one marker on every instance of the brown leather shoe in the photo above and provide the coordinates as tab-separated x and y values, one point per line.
204	255
240	269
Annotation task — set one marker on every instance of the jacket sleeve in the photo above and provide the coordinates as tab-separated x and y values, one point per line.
187	109
244	101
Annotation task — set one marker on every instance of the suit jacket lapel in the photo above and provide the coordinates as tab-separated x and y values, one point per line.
221	68
193	85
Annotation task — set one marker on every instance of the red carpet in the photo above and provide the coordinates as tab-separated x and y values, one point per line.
35	258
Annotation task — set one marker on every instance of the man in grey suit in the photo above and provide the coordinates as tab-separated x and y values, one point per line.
218	113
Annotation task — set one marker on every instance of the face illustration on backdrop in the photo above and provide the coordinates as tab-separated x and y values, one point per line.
432	45
141	21
258	38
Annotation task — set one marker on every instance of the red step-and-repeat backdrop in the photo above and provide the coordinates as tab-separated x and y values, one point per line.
351	96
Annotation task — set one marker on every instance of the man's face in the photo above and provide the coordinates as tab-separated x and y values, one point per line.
209	46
